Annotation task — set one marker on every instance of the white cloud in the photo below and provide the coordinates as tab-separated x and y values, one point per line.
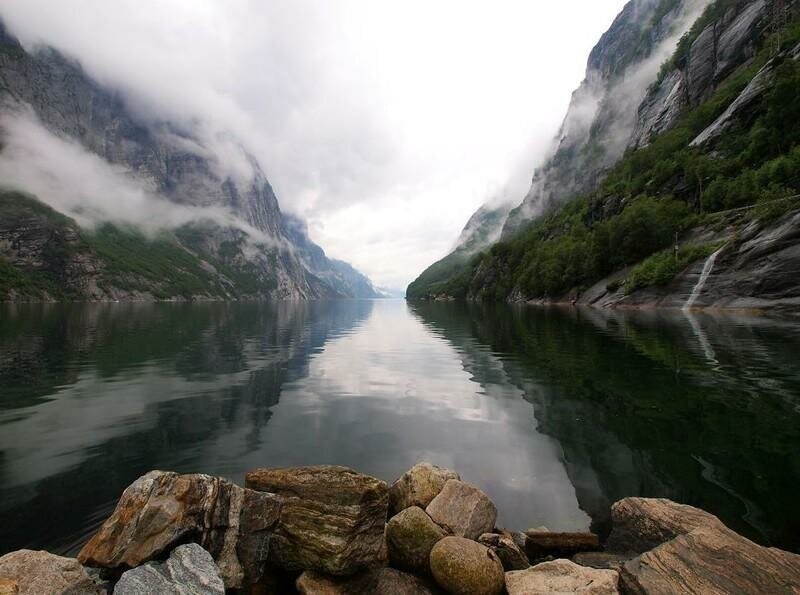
384	123
62	174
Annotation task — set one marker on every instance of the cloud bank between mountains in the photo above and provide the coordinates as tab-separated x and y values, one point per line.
384	124
80	184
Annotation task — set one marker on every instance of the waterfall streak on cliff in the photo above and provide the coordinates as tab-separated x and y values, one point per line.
701	282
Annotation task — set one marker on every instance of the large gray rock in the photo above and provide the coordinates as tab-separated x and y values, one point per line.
561	577
640	524
190	570
29	572
386	581
503	544
418	486
410	537
332	518
161	510
463	510
465	567
712	560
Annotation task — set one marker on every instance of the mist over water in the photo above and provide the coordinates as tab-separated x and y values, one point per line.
555	414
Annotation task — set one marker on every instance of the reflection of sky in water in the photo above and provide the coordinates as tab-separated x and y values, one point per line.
554	415
390	394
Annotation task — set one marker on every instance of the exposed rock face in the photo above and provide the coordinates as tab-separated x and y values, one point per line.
712	560
161	510
190	570
332	518
175	163
562	576
418	486
754	90
754	271
29	572
715	52
465	567
601	118
510	554
600	122
640	524
463	510
386	581
410	537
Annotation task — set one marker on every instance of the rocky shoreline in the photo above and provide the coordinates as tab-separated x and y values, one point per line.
329	530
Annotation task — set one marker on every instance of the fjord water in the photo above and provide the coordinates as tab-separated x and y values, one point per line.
554	413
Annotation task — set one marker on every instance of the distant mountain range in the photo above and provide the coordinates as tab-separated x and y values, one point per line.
229	238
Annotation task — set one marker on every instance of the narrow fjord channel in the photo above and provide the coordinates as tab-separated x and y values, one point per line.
555	413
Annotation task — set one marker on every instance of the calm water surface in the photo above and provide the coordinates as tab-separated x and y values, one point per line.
556	414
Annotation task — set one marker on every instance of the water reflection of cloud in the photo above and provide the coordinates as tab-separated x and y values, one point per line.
391	394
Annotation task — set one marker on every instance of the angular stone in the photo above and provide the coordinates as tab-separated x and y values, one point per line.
463	510
162	509
465	567
562	576
410	537
386	581
418	486
332	519
640	524
502	544
42	573
190	570
712	560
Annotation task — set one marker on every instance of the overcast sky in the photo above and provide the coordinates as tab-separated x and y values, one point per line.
384	124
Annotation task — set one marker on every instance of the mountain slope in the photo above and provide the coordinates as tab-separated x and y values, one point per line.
248	251
595	130
720	143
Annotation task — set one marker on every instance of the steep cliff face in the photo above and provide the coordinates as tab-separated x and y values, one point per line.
175	165
337	274
716	45
597	127
702	202
602	114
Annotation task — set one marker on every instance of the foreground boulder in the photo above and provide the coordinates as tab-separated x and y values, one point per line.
386	581
332	519
190	570
712	560
465	567
640	524
29	572
503	544
562	576
410	537
463	510
418	486
161	510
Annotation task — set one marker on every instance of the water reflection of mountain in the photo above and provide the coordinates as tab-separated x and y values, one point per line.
117	389
701	409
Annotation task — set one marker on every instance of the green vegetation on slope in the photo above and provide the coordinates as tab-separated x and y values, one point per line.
55	258
650	195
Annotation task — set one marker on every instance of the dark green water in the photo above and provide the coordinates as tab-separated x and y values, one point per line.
556	414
